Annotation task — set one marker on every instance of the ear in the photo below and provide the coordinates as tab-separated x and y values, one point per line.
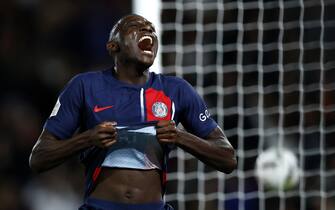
112	47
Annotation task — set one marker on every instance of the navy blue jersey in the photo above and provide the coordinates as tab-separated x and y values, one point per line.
94	97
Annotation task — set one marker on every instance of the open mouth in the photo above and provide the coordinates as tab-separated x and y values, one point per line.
145	43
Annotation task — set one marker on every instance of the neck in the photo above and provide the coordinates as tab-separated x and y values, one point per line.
131	74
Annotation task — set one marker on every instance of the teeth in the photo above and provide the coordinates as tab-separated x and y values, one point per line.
145	37
148	52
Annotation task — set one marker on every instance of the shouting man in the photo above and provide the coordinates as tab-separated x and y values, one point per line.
123	123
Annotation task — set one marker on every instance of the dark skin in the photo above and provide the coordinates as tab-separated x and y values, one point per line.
130	185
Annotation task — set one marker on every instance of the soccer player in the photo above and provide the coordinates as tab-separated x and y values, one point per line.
123	123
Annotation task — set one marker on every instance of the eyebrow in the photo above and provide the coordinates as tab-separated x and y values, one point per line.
138	22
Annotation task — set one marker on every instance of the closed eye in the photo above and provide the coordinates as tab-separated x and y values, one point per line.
136	24
153	28
131	26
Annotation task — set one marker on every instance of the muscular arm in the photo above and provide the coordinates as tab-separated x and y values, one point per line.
215	150
49	151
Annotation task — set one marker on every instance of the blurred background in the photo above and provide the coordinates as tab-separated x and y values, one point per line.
265	69
42	45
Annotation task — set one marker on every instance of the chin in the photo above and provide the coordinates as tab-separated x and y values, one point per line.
145	62
141	64
145	65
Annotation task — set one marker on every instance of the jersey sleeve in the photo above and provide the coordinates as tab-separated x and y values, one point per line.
195	115
65	116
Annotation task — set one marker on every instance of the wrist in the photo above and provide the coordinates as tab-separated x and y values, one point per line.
180	136
84	139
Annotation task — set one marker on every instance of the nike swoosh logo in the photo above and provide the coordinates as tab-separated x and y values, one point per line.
99	109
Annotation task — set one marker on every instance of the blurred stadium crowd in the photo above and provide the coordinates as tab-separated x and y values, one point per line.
42	45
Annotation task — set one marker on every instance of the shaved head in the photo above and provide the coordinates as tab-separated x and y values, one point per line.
113	36
133	39
119	30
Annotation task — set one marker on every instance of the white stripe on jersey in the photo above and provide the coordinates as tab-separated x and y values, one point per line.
56	108
173	111
142	104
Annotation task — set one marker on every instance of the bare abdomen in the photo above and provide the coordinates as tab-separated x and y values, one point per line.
128	186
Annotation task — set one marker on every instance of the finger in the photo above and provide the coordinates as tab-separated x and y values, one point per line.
163	123
166	141
172	126
108	124
161	130
105	141
166	123
108	129
167	129
172	123
103	136
166	136
109	143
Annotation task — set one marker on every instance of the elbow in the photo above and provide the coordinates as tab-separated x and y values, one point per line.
229	163
229	166
34	164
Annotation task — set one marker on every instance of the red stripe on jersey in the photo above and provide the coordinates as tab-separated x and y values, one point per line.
164	178
157	104
96	173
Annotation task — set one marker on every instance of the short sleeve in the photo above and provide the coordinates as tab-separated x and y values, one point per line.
195	115
65	116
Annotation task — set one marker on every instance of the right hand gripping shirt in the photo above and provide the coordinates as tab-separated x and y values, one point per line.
94	97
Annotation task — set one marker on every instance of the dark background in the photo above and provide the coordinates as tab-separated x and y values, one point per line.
42	45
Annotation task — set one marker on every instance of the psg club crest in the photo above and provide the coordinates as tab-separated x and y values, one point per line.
159	109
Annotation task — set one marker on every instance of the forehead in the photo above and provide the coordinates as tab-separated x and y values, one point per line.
122	24
131	19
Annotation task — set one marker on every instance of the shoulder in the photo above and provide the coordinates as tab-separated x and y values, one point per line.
172	81
86	79
83	83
